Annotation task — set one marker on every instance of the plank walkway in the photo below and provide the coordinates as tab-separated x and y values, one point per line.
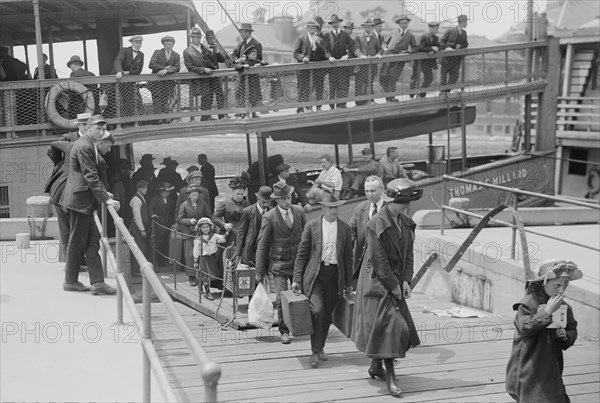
460	360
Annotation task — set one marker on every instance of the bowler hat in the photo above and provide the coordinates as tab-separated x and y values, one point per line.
402	190
332	202
196	32
281	168
167	38
146	158
136	38
246	27
96	119
82	118
281	189
142	183
334	18
403	17
319	20
165	187
553	268
264	193
377	21
75	59
463	17
168	161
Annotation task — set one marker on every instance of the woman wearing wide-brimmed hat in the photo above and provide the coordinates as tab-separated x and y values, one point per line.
162	212
383	326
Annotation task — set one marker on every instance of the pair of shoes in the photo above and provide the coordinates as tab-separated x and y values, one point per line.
323	356
392	100
76	286
343	106
376	370
300	110
318	108
332	106
390	378
103	288
255	115
314	360
207	293
285	339
193	281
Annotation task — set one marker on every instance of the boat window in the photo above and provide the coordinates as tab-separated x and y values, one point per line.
578	163
4	204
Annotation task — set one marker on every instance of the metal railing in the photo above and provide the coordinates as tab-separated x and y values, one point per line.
149	99
514	225
125	245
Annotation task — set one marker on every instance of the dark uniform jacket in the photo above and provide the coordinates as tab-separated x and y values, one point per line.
247	234
308	260
453	37
159	61
84	189
126	63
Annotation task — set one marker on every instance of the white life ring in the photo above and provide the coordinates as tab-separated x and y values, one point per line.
593	181
55	92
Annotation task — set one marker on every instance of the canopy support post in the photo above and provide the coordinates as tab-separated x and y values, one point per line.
350	159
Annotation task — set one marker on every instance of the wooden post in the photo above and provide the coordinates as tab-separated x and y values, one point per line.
50	47
248	149
337	155
350	158
547	108
85	57
38	39
527	123
567	71
372	137
448	159
463	132
261	160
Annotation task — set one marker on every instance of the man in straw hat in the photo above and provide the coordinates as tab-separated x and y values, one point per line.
249	226
383	327
323	271
339	46
81	123
130	61
310	48
278	240
429	43
367	45
401	42
453	39
80	205
76	65
163	61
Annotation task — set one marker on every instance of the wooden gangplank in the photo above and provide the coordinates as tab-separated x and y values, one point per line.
459	360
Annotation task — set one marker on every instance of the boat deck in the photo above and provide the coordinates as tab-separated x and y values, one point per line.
459	360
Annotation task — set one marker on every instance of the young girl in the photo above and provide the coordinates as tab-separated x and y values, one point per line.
534	371
205	253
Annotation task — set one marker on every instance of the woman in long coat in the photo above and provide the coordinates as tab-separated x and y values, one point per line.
383	326
162	210
190	211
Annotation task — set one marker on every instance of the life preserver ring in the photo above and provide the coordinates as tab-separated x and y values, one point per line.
55	92
593	181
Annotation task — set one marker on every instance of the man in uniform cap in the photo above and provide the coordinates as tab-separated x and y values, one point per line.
163	61
278	240
429	43
130	61
249	226
340	47
454	38
402	41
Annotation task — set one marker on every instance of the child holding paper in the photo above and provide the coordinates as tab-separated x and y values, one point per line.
545	326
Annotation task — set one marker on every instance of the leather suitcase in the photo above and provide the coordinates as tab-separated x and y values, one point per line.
343	314
296	313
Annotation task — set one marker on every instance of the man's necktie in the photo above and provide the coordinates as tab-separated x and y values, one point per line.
374	209
401	32
288	220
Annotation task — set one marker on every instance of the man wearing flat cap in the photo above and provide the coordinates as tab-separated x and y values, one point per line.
340	47
130	61
401	42
163	61
310	48
430	44
83	192
249	226
278	240
323	271
453	39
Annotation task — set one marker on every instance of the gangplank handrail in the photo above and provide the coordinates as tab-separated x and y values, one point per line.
210	370
515	227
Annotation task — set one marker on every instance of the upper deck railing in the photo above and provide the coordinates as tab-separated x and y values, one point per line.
42	106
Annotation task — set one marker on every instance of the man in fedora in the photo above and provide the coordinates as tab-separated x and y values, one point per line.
367	45
82	194
163	61
278	240
339	46
298	196
146	172
208	178
378	27
349	27
401	42
249	226
130	61
213	57
323	271
195	59
76	65
49	71
453	39
310	48
169	174
247	41
429	43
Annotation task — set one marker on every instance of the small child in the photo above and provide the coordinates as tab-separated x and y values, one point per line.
254	94
534	371
205	253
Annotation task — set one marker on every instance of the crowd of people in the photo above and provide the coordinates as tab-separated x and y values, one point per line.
335	46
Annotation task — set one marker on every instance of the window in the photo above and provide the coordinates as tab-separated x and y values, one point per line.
507	129
579	166
488	129
497	128
4	204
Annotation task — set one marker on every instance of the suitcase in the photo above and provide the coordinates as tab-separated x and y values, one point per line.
343	314
296	313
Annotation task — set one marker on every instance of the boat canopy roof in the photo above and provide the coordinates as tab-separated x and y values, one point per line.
76	20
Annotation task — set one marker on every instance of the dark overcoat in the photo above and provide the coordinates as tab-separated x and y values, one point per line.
383	326
195	62
125	62
230	212
534	371
247	234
